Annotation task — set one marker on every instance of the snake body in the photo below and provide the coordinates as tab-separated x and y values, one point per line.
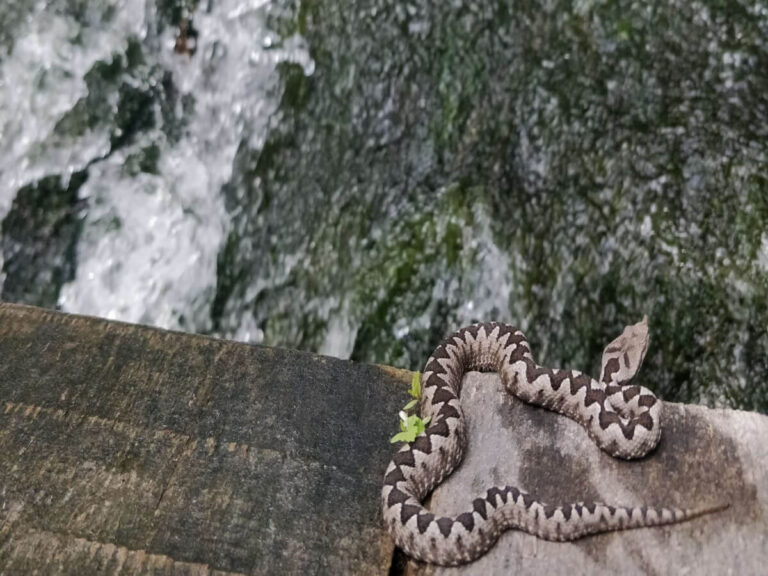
623	420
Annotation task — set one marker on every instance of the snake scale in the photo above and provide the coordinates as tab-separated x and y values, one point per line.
623	420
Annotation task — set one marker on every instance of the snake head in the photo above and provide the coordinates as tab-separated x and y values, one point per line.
623	357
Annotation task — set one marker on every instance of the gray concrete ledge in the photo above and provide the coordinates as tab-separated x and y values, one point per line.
705	456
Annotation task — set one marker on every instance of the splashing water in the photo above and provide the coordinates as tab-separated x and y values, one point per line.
174	222
148	246
40	82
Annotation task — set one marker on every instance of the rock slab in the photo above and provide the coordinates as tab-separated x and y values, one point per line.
705	456
131	450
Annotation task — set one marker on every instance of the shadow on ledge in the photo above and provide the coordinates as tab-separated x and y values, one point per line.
131	450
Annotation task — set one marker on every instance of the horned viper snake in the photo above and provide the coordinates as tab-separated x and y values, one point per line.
623	420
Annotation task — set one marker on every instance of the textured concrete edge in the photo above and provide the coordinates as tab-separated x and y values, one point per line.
49	315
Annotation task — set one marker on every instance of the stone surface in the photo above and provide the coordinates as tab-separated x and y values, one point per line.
705	456
134	450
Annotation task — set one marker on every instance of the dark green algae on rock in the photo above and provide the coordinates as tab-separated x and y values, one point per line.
565	167
126	449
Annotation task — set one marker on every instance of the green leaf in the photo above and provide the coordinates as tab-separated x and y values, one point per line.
416	424
407	436
411	425
426	421
410	429
399	437
415	390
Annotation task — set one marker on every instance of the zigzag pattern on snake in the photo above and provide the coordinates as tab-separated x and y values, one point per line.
623	420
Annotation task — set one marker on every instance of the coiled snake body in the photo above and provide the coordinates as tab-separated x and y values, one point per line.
623	420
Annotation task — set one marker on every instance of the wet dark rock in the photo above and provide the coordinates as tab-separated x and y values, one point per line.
128	97
38	240
559	166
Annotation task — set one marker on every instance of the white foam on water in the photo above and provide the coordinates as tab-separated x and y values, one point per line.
341	333
150	242
145	253
762	256
42	78
491	278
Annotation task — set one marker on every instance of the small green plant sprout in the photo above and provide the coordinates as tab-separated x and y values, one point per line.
411	425
414	392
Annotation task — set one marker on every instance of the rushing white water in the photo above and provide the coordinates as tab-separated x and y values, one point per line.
159	267
149	243
42	79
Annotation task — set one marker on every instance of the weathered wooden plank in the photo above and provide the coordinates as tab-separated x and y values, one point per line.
134	450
